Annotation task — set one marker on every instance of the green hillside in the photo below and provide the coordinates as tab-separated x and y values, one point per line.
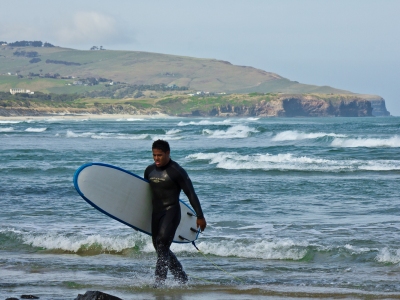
133	67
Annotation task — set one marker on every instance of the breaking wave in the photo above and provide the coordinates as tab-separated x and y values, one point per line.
238	132
6	129
120	136
287	162
31	129
82	244
94	244
169	135
261	249
367	142
294	135
172	131
205	122
130	120
387	255
10	122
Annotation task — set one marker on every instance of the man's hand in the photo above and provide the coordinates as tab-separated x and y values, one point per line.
201	223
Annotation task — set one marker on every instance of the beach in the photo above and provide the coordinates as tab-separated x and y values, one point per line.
79	117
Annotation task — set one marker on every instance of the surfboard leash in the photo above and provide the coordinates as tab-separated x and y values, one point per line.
214	264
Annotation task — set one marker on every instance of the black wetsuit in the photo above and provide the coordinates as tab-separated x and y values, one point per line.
166	184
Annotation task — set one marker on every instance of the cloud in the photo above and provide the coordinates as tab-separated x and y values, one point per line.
93	28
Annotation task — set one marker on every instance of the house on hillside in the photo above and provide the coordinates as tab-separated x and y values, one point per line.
20	91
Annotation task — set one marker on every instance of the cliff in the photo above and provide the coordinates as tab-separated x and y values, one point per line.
379	108
293	106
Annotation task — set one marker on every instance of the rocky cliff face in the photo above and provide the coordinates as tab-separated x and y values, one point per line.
295	106
379	108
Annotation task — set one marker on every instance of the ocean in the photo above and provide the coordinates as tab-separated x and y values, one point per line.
297	208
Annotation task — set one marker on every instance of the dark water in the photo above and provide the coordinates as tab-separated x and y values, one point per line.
296	208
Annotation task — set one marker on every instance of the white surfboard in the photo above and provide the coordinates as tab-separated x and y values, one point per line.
126	197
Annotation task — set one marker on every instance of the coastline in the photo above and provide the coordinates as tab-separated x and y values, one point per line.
81	117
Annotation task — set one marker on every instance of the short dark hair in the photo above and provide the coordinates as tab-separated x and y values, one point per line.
161	145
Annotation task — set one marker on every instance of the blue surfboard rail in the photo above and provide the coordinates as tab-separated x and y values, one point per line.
75	181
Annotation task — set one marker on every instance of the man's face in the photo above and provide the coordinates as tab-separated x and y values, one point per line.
160	157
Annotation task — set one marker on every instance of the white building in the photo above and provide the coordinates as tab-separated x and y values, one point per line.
20	91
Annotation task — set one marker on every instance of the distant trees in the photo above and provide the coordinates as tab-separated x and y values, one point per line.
38	96
138	95
94	48
35	60
28	44
93	81
62	62
48	45
26	54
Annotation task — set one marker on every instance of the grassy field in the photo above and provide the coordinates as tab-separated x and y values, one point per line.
44	85
135	67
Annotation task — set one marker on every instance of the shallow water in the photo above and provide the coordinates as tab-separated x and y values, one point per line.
296	208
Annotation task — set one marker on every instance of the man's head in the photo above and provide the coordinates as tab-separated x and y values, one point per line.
161	153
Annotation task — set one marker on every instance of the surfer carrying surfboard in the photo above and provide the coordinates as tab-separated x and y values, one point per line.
167	178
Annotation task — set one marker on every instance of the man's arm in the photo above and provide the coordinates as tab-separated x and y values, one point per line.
186	185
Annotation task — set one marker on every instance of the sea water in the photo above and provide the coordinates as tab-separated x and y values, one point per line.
296	208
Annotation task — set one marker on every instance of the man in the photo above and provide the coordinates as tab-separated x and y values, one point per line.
167	178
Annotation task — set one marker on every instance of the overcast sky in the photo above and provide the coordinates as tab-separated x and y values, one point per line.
348	44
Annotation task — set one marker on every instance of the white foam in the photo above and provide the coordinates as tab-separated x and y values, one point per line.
294	135
380	165
6	129
106	135
130	120
10	122
367	142
119	136
75	243
261	249
357	250
71	134
172	131
31	129
237	131
53	120
205	122
387	255
226	160
287	161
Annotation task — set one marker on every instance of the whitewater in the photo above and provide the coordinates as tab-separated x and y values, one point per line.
295	207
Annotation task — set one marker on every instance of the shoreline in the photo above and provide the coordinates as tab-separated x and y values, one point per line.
81	117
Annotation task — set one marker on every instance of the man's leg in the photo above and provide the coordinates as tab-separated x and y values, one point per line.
176	268
164	225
